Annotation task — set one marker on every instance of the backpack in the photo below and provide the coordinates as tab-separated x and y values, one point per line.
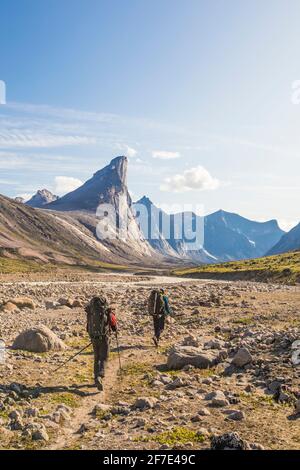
98	318
156	304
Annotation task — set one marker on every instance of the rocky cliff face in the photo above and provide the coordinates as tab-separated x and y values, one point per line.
106	186
119	230
41	199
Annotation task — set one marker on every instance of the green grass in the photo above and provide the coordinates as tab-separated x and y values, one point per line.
14	266
243	321
279	268
176	436
65	398
11	266
137	368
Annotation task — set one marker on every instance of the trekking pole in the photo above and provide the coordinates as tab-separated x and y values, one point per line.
119	354
71	358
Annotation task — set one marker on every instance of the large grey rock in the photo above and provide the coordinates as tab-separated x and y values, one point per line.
144	403
242	358
38	339
217	398
228	441
181	356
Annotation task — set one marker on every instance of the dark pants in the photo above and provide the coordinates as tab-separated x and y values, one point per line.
101	353
159	325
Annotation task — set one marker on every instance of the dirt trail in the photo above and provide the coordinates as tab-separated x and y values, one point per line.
81	415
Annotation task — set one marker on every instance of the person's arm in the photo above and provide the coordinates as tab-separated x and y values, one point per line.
167	305
113	322
87	311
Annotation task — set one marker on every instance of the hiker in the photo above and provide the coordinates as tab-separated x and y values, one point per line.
101	321
159	308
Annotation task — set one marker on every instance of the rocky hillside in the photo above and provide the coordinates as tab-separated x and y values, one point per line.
48	236
34	234
284	268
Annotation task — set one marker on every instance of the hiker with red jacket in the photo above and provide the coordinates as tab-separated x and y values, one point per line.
101	322
159	309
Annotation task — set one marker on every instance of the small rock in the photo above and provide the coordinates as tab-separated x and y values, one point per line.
242	358
144	403
236	416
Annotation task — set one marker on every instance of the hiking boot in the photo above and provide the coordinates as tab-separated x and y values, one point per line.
155	341
98	384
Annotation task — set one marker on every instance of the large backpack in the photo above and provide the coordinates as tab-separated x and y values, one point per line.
156	304
97	318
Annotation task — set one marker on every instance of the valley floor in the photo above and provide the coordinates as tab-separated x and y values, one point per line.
147	406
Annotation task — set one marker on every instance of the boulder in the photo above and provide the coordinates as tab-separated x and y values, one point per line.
23	302
236	416
181	356
217	398
144	403
38	339
242	358
36	431
9	307
228	441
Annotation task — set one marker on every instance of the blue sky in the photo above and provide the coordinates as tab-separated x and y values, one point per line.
196	93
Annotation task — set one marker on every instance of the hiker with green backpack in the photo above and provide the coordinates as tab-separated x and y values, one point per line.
159	309
101	322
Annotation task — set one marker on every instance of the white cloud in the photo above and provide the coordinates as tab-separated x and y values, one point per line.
28	139
165	155
128	151
287	224
194	179
65	184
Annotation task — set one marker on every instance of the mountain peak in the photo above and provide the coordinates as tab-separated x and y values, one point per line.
105	186
145	201
118	165
41	198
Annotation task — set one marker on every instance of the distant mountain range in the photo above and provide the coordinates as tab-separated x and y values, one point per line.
288	242
227	236
50	228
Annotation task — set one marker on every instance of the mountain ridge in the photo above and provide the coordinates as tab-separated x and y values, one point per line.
290	241
227	236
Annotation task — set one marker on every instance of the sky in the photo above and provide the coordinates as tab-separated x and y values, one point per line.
202	96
